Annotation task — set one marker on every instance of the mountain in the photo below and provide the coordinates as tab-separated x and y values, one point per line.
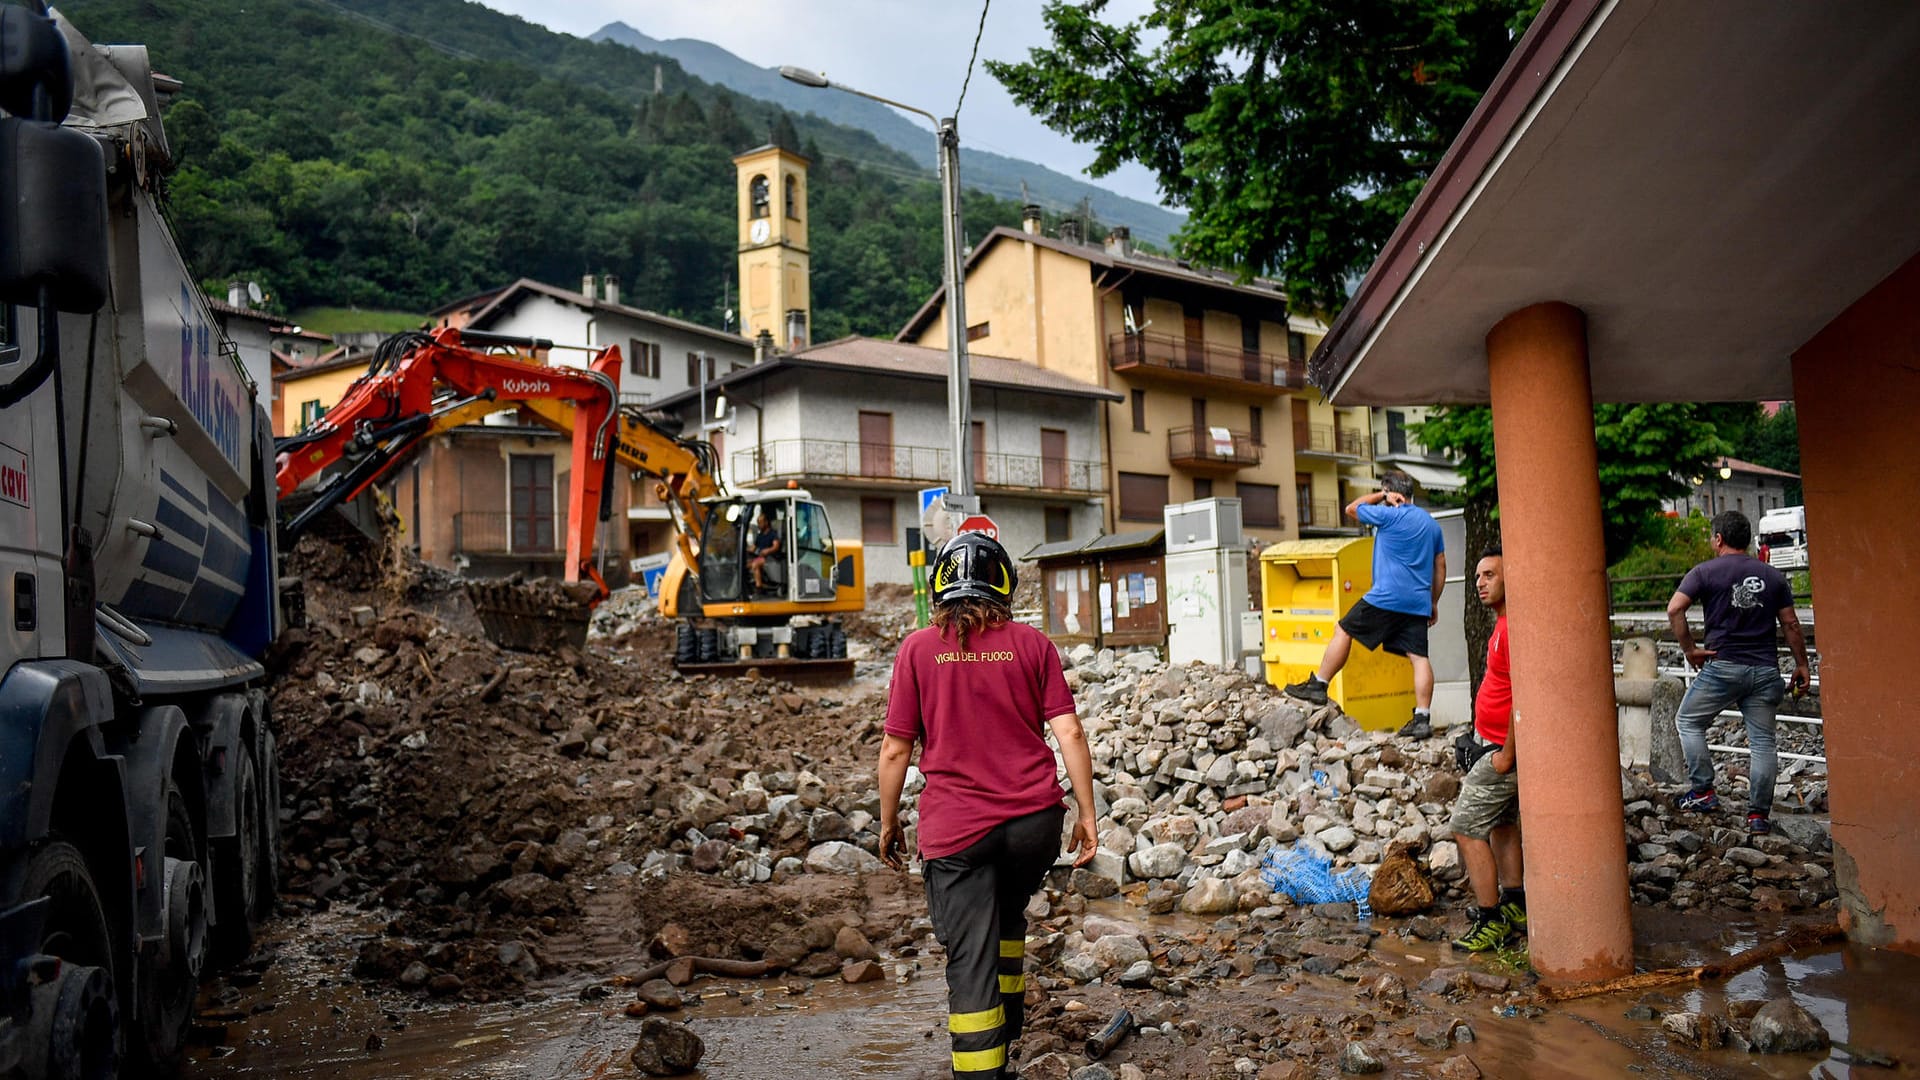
400	154
995	174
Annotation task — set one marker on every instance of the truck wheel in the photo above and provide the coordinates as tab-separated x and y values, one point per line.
169	984
270	818
75	1030
236	877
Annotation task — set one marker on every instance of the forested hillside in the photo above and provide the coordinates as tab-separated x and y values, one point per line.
404	155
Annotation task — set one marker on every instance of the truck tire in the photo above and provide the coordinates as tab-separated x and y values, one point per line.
236	866
169	985
76	1030
270	817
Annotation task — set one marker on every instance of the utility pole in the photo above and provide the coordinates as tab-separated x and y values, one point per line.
959	394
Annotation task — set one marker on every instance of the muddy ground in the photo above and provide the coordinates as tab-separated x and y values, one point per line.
492	857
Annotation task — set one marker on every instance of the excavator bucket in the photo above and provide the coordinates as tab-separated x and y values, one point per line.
534	616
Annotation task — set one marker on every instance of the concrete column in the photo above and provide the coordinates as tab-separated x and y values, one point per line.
1566	730
1855	384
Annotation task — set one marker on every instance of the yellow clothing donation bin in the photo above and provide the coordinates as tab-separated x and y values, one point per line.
1306	587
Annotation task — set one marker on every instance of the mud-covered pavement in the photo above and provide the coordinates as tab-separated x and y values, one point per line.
493	861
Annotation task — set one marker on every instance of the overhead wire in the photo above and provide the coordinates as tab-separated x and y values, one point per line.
964	83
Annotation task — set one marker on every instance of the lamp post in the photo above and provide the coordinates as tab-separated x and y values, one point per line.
959	398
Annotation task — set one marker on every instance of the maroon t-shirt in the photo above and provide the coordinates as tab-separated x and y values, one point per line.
978	713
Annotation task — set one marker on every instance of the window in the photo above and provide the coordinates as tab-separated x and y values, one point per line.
1199	418
1396	432
1139	400
696	367
1059	523
813	548
1256	429
1303	500
793	197
1203	487
1259	505
1053	459
876	445
1296	347
757	196
979	330
876	521
1142	496
310	413
643	358
530	502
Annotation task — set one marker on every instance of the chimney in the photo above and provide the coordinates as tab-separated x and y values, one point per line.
587	283
237	293
1030	219
611	282
796	330
1120	241
1070	231
762	345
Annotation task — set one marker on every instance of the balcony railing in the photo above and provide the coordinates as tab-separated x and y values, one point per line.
1390	443
1320	515
1191	359
497	531
1328	440
881	463
1206	449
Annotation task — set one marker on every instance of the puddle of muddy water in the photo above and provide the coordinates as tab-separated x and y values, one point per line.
754	1030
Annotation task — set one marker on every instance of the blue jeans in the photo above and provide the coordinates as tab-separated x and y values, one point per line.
1757	692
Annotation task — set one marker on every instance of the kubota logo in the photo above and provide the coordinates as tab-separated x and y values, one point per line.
526	386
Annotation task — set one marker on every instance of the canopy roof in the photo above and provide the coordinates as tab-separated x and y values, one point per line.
1711	184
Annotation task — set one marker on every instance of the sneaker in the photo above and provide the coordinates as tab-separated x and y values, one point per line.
1696	802
1420	727
1307	690
1758	824
1484	934
1516	917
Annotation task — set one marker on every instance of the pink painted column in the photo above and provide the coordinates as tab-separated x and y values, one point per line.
1566	723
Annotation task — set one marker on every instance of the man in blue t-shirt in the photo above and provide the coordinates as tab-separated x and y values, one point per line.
1409	570
1739	667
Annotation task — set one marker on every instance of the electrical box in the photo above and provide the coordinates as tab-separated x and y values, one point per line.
1203	525
1206	592
1306	587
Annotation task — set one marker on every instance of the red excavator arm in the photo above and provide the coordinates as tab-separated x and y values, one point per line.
417	380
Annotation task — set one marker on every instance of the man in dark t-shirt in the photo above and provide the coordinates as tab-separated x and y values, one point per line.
1742	598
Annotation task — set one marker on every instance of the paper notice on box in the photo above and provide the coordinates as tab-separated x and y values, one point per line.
1152	591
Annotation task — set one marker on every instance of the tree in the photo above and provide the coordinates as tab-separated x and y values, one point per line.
1295	132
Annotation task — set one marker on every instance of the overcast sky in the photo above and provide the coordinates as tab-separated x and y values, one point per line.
910	50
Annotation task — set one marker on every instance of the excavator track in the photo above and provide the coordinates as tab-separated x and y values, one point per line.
787	669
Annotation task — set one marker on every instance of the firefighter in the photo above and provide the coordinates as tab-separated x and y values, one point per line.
977	691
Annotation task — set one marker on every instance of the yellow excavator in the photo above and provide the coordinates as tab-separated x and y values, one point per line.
755	579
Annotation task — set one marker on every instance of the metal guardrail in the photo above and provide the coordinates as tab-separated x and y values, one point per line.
491	532
1673	580
1685	675
1185	445
1327	439
797	459
1180	354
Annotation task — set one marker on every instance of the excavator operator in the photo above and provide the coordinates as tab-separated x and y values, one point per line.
977	691
766	547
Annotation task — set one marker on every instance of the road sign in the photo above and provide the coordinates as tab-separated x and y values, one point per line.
979	523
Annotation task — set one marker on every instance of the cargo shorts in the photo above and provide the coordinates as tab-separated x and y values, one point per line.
1487	800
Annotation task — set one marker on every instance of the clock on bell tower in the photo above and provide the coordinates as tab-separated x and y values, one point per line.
774	282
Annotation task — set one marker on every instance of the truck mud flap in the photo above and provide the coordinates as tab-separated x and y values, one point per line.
533	616
790	669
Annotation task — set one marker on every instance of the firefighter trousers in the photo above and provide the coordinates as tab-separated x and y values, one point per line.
977	899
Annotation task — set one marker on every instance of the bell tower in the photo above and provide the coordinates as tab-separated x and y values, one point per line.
774	285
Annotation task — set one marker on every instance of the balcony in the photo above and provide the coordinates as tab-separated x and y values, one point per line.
1207	453
496	532
1322	517
1329	441
1192	362
882	465
1391	445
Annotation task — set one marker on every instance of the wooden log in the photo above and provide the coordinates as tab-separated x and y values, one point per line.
1793	941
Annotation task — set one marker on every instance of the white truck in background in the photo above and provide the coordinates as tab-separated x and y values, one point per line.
138	583
1783	537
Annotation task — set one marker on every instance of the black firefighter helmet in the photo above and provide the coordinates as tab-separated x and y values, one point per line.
973	567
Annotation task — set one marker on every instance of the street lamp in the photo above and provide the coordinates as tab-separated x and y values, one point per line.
959	398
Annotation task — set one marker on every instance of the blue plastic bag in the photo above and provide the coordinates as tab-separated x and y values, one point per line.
1306	876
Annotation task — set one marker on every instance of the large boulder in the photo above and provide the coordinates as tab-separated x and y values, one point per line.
666	1048
840	857
1783	1027
1158	861
1210	896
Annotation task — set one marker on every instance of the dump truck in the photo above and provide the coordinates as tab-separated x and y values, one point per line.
138	778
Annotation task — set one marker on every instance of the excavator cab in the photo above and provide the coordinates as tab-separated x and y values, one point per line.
764	550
